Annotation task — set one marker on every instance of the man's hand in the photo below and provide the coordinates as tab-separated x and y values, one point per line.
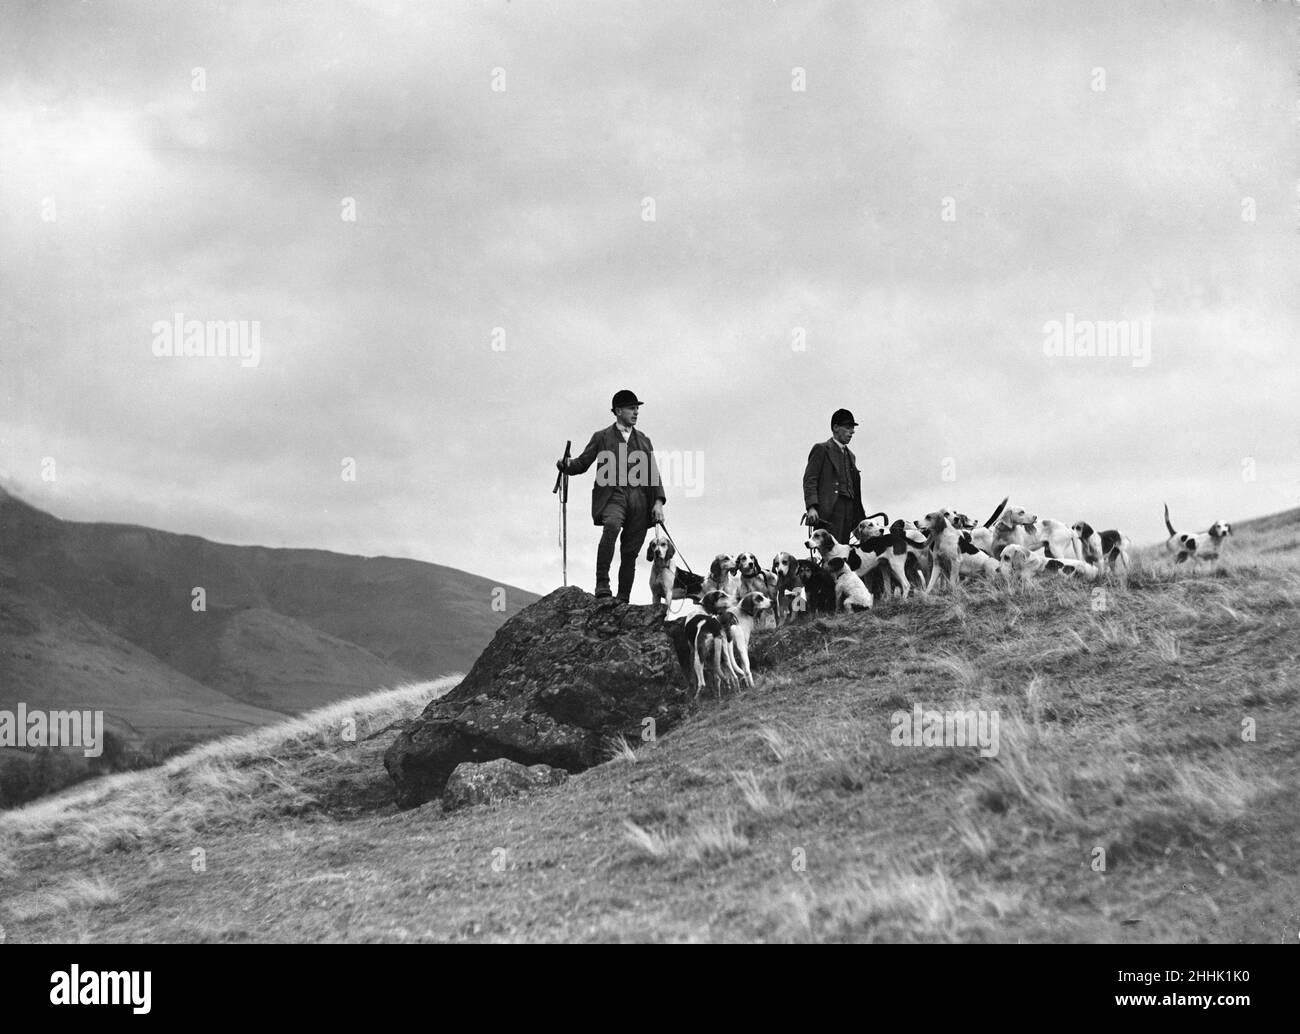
657	513
810	518
560	466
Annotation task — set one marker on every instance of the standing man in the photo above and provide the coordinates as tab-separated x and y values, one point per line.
627	496
832	484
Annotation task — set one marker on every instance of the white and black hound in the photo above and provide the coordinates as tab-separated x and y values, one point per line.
1019	562
1107	549
944	542
1197	545
700	641
900	551
738	622
850	592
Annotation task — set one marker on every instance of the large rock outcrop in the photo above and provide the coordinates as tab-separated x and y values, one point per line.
558	679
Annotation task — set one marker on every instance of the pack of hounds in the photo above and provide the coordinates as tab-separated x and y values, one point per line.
717	614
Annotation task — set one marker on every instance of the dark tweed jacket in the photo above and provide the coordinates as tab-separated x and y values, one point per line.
824	475
605	445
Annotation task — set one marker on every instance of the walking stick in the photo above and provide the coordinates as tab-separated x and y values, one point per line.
562	487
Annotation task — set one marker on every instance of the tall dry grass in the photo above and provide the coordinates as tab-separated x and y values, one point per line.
236	779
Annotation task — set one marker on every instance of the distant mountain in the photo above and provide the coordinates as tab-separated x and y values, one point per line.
100	616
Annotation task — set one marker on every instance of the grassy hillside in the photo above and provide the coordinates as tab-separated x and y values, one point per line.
784	813
100	616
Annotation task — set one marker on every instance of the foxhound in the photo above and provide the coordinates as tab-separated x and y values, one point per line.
717	603
701	642
1198	545
785	567
944	542
1108	549
1018	562
754	579
850	593
825	545
738	622
1014	526
902	543
723	575
663	570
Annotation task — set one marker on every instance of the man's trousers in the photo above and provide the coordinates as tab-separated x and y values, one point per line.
626	513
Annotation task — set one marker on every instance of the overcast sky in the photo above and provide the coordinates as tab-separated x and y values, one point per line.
954	177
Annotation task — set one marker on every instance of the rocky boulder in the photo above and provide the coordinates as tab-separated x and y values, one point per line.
558	679
495	781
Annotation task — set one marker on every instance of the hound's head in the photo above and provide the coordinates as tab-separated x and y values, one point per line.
1014	558
805	570
661	551
837	565
783	565
946	516
822	541
748	565
754	603
1017	515
1083	529
1220	530
871	528
963	522
717	601
723	564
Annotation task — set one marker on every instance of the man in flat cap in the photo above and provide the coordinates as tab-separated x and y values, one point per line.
832	484
627	497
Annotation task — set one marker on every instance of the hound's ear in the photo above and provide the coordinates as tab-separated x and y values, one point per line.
670	551
1228	526
650	550
715	569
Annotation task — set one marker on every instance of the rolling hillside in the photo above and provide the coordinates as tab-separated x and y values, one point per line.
781	814
99	616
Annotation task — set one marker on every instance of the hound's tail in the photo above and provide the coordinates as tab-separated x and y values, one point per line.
997	513
1167	524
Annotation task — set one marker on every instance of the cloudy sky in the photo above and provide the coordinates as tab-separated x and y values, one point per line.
951	178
